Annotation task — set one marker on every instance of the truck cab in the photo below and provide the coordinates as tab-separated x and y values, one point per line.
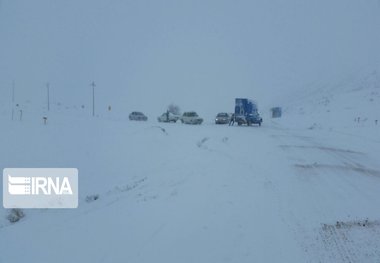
246	112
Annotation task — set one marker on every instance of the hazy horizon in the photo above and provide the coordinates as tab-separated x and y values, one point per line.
144	55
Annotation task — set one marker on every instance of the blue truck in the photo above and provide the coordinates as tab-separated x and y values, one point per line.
246	112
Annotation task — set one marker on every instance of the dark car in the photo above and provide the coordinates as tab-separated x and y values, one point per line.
222	118
137	116
249	119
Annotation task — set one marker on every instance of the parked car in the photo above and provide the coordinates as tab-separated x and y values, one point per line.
222	118
168	117
249	119
191	117
137	116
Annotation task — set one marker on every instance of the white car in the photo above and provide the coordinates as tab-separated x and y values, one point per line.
191	117
168	117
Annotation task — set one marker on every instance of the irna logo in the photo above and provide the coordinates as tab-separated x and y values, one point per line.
40	188
38	185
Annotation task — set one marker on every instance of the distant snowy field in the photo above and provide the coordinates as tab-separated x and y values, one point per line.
304	188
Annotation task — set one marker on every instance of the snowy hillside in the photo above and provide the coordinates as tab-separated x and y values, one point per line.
352	103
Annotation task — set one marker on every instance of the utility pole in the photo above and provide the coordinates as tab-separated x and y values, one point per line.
48	95
93	98
13	91
13	97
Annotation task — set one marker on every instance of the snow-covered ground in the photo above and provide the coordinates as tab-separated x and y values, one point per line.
208	193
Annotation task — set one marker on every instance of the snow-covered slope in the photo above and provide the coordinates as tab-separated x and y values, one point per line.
351	104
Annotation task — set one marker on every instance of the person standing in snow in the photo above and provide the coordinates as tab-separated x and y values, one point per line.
167	115
232	120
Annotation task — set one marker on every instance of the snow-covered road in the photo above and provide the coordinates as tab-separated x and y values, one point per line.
178	193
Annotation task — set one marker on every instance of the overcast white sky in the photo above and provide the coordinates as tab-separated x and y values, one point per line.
144	55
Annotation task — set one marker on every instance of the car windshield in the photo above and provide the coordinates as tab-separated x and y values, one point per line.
222	115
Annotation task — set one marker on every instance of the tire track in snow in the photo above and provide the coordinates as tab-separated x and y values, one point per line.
338	243
344	246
